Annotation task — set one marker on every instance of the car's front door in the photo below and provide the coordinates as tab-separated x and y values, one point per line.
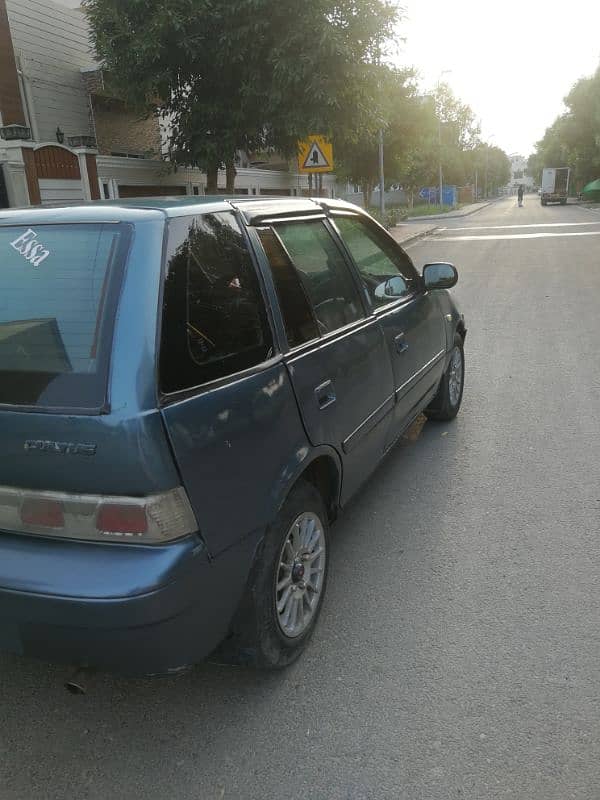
337	357
409	316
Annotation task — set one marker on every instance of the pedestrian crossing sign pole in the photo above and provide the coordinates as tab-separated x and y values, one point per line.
315	156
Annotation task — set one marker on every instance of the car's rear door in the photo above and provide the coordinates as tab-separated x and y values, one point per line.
409	316
337	356
228	406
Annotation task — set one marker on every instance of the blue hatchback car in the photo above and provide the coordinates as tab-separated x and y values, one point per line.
190	391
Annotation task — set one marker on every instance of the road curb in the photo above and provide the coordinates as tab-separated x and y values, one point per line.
416	236
450	215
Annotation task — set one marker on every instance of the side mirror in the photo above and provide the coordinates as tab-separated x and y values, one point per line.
393	287
440	276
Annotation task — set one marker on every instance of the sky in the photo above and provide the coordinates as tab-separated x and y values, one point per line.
512	61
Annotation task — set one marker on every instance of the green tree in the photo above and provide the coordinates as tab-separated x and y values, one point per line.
573	139
242	74
459	134
417	165
393	110
445	130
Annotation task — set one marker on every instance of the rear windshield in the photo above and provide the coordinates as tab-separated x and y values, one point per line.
58	289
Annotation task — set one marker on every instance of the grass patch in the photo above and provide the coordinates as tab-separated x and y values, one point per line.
391	217
425	210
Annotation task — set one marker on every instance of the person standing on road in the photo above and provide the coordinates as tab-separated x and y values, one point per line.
520	194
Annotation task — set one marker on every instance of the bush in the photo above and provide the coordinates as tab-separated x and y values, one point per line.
391	217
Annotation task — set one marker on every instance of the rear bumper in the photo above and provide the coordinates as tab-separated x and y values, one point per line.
128	609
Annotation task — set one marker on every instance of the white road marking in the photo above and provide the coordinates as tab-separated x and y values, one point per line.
530	225
511	236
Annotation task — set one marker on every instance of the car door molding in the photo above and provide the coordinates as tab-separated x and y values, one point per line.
295	353
367	425
420	372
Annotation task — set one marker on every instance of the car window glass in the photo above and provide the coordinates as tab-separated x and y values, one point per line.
323	272
386	271
58	291
298	318
215	319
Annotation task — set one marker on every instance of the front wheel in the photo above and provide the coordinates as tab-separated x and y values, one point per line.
446	403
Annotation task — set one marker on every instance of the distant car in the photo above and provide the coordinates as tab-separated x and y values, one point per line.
539	192
190	391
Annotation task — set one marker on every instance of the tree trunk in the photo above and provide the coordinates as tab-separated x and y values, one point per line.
231	172
212	173
367	189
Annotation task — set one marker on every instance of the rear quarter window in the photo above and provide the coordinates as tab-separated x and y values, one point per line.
58	288
214	317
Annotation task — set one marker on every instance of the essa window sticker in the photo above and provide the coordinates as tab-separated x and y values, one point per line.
28	246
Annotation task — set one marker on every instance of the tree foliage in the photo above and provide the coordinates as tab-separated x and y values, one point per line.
394	109
490	164
419	131
258	75
243	74
573	139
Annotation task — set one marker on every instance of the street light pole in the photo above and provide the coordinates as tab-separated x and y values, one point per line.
444	72
487	163
381	176
487	156
441	175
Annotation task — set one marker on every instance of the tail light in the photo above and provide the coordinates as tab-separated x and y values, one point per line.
154	519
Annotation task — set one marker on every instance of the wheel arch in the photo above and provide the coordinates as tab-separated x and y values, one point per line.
322	468
325	475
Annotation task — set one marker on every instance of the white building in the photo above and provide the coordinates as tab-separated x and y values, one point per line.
518	173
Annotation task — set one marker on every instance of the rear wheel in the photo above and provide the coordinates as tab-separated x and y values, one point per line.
446	403
287	587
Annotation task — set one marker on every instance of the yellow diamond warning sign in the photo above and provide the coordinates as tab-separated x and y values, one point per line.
315	154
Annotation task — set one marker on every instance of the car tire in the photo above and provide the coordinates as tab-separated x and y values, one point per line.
446	403
260	637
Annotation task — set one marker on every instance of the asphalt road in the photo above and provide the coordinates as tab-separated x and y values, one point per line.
458	654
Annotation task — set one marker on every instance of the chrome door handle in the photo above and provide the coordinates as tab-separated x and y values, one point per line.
401	344
325	394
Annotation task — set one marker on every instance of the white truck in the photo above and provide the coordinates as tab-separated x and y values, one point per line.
555	185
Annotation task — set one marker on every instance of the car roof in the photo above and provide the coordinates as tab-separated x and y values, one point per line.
137	209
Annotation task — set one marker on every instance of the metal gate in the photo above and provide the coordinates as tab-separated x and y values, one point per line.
58	174
3	190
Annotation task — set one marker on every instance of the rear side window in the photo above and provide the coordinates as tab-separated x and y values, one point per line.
58	291
214	320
